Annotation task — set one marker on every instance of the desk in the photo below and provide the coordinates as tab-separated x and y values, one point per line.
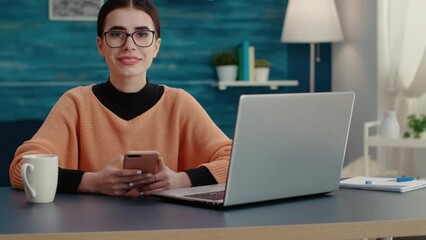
344	214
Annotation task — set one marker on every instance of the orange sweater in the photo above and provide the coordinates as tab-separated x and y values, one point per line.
87	136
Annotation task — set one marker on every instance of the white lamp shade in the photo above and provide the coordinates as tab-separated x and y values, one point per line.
311	21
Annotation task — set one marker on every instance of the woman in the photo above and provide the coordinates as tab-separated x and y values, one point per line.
91	127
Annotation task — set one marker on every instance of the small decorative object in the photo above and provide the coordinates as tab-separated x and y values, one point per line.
226	64
262	70
416	126
389	127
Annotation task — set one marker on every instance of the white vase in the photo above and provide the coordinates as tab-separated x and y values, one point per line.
227	73
262	74
389	127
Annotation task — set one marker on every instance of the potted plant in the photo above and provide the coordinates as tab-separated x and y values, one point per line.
226	64
416	126
262	70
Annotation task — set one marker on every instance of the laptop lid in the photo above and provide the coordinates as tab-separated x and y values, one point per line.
288	145
285	145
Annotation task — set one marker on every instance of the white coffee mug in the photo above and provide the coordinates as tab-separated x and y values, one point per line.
39	173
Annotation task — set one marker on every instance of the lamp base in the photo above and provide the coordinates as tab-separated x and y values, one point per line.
312	68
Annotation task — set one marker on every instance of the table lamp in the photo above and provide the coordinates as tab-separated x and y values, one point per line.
314	22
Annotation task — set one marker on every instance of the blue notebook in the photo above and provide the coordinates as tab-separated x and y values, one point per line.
382	184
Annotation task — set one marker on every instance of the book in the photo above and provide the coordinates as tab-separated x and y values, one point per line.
244	58
240	63
251	63
382	184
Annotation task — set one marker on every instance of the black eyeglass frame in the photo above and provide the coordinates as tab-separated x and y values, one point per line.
130	35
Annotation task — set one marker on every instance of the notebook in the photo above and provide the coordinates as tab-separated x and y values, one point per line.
382	184
284	145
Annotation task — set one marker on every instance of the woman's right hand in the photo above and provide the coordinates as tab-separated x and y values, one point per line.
112	180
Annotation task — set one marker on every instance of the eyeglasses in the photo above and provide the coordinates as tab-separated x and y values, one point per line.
142	38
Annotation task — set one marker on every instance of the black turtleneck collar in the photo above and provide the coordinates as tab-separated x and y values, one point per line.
128	105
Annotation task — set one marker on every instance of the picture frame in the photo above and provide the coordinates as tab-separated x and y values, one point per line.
74	10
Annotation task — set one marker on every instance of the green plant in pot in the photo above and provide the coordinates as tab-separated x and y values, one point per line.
262	70
226	64
225	58
416	126
262	63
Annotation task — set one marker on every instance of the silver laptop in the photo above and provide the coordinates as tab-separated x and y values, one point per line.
285	145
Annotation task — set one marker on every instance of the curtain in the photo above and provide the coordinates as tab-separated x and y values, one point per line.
405	46
403	43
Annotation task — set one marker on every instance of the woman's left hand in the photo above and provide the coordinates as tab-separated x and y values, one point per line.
163	179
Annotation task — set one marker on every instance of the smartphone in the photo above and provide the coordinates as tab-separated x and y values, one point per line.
146	161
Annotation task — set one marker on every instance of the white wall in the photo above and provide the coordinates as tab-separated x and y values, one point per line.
355	66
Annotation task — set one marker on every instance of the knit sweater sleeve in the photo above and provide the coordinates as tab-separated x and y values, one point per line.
57	136
203	142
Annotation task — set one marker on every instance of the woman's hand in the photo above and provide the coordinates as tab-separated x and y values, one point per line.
163	179
112	179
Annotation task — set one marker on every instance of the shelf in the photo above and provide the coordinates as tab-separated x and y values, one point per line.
273	84
399	142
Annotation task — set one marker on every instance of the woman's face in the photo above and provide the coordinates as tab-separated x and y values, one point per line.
130	60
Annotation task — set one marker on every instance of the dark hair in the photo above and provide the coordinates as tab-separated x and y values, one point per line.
143	5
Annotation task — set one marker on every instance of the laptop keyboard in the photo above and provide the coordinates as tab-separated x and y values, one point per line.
218	195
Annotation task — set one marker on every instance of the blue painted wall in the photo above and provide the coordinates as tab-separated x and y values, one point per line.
41	59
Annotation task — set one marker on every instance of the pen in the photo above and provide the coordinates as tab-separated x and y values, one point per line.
399	179
404	179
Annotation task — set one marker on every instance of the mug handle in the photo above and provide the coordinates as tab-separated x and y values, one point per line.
24	178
